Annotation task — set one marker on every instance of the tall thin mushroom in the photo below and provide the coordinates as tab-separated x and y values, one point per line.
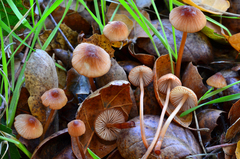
141	76
180	97
187	19
165	84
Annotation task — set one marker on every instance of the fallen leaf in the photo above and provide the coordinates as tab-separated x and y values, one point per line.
62	76
102	41
65	57
198	48
143	3
207	118
22	107
115	95
233	130
161	67
237	152
234	114
41	75
128	65
211	6
229	151
145	59
193	80
53	145
178	142
115	155
234	41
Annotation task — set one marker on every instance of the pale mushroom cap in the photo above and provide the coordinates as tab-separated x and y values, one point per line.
137	72
55	98
28	126
90	60
177	94
108	116
76	128
187	19
116	31
217	80
164	80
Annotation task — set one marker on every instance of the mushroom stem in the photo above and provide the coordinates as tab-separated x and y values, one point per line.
126	125
80	148
142	127
48	122
166	124
149	150
180	53
92	84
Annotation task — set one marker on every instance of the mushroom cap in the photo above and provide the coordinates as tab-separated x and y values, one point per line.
76	128
28	126
105	117
164	80
137	72
187	19
116	31
90	60
217	80
55	98
177	94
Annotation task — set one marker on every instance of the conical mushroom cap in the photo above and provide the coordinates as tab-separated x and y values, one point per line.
164	80
217	80
76	128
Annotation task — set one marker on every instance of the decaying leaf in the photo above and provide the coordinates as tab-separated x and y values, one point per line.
197	47
211	6
178	142
145	59
115	95
193	80
65	57
233	130
53	146
234	41
161	67
102	41
234	113
237	152
207	118
41	75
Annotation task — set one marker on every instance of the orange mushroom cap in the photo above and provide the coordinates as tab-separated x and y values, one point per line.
116	31
28	126
187	19
55	98
177	94
76	128
90	60
141	71
217	80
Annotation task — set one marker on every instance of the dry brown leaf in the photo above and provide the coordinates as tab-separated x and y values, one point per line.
234	113
207	118
161	67
193	80
145	59
211	6
237	152
114	95
233	130
178	142
234	41
102	41
41	75
197	48
65	57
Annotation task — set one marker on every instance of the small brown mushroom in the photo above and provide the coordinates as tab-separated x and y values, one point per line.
28	126
116	31
55	98
91	61
182	98
141	76
109	123
187	19
77	128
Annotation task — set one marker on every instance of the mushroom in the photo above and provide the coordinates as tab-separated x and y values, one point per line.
182	98
165	84
77	128
187	19
91	61
55	98
141	76
109	123
28	126
116	31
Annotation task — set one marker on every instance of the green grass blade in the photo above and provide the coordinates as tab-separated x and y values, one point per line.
94	156
114	13
103	8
